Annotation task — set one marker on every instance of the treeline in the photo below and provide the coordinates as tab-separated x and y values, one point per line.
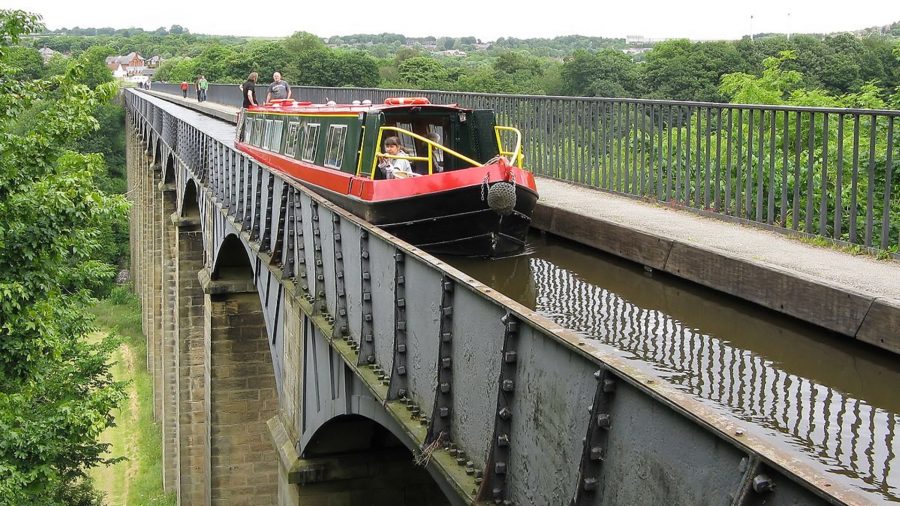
571	65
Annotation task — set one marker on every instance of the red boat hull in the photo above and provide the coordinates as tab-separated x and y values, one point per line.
445	213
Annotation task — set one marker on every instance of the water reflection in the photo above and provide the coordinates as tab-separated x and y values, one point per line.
835	399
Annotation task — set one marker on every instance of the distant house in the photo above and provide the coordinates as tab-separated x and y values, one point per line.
133	67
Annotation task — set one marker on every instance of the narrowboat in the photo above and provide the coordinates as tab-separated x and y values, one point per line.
463	190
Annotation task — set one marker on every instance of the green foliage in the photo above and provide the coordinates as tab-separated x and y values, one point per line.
606	73
56	392
23	63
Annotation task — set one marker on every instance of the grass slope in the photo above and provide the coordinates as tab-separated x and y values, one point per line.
138	479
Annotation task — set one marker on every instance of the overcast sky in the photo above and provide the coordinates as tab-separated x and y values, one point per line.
484	19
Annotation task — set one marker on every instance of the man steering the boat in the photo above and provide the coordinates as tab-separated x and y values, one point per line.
395	168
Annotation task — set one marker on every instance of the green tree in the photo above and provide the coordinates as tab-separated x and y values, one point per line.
56	391
23	63
302	42
606	73
423	72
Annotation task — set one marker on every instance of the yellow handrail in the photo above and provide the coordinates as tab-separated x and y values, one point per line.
431	147
517	157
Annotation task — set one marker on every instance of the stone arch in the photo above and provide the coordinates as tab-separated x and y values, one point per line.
190	207
169	169
364	461
157	156
232	260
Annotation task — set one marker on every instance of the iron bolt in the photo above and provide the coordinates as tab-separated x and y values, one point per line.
444	412
510	357
445	387
503	440
500	468
590	484
508	385
597	453
763	484
401	348
505	413
603	420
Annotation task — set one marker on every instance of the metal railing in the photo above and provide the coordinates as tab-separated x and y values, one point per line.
822	172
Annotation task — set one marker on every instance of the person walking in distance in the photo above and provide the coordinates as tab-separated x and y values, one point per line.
279	89
248	89
184	88
203	84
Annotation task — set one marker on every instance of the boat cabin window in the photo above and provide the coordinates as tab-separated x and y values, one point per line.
310	142
248	130
290	148
258	125
334	146
275	136
406	142
267	135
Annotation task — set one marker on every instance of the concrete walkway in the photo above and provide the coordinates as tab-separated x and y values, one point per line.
857	296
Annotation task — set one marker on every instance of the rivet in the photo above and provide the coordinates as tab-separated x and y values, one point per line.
445	387
364	234
447	337
320	277
321	293
368	317
365	274
503	440
370	359
508	385
401	392
444	412
364	254
460	461
339	255
401	325
340	274
337	237
512	326
342	312
500	468
445	362
368	337
398	257
318	262
401	370
367	296
510	357
447	285
401	280
401	302
504	413
603	420
401	348
589	484
447	311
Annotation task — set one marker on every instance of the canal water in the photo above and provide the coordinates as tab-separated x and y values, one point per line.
836	400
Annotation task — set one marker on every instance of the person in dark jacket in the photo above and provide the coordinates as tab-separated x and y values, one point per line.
248	89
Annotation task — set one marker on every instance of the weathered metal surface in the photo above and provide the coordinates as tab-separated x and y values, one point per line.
511	372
